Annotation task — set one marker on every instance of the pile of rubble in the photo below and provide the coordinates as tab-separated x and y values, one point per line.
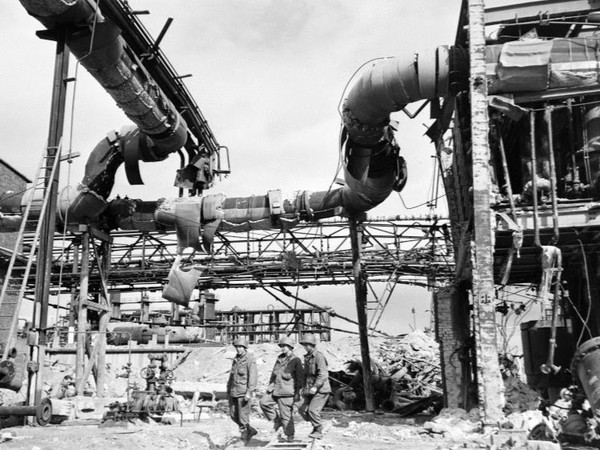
412	361
406	374
405	369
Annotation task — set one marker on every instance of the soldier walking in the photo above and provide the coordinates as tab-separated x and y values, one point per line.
317	388
284	388
241	384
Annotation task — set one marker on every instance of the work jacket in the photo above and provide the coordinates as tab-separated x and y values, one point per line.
243	376
317	375
287	377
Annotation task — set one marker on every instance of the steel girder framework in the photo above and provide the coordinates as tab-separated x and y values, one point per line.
398	250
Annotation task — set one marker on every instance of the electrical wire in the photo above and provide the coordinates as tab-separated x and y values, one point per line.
339	108
583	322
70	152
420	204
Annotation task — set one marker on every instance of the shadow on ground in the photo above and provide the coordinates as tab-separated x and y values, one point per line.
233	442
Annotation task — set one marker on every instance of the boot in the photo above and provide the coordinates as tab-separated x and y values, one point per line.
244	435
277	424
250	433
317	432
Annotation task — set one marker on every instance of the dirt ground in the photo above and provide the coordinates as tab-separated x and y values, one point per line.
344	430
206	369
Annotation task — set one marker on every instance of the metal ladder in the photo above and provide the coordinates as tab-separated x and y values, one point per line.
380	303
15	282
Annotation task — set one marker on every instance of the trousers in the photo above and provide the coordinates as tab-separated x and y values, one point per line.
270	404
239	411
310	410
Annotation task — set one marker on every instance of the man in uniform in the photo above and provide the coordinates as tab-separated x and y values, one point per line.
241	384
287	379
317	387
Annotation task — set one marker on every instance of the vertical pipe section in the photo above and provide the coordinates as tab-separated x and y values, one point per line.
360	290
553	182
549	366
536	218
490	385
572	149
509	190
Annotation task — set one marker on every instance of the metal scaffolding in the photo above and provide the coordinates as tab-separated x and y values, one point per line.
413	251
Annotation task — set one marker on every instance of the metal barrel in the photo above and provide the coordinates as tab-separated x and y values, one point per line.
586	364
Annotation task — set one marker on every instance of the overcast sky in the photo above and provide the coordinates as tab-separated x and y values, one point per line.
268	75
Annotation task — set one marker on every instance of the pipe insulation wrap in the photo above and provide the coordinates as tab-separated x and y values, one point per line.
103	52
388	85
53	14
238	210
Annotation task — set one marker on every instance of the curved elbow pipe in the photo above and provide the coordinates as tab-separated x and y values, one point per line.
389	84
373	167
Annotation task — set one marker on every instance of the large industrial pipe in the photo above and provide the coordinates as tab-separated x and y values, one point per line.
373	167
372	164
97	44
389	84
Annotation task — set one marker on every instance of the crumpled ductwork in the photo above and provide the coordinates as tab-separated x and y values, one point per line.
373	167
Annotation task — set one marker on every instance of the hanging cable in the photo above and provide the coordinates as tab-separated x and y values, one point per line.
340	103
577	313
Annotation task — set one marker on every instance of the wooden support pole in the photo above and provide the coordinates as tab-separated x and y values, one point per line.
105	315
144	307
360	289
74	306
101	363
82	308
88	366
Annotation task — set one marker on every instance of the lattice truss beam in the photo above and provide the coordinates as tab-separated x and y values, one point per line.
408	251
